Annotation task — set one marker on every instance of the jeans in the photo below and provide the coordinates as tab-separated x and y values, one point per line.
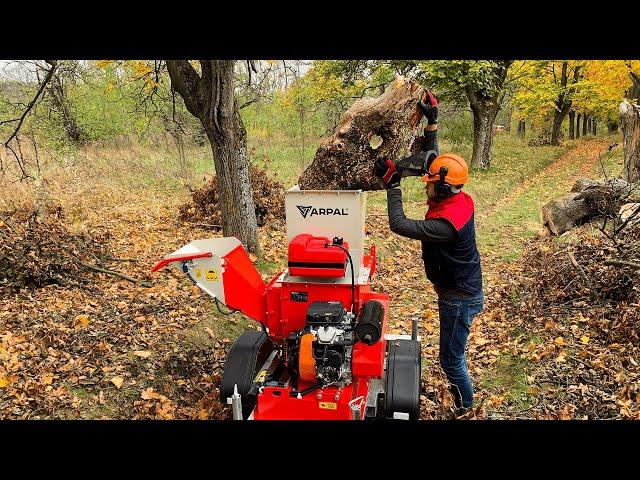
456	316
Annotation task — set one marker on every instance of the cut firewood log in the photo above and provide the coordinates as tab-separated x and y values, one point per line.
587	199
345	160
565	213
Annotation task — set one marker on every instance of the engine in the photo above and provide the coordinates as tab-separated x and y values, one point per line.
321	352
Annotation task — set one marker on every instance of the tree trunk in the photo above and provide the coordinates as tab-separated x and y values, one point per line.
595	124
556	129
507	121
578	125
344	161
521	128
630	122
572	117
585	118
589	128
483	118
587	199
61	105
209	96
612	127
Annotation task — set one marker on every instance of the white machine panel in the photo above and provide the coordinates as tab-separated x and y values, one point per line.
328	213
207	271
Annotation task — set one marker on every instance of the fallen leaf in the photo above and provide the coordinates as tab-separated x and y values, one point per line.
584	339
117	381
81	321
46	379
253	257
142	353
559	341
3	382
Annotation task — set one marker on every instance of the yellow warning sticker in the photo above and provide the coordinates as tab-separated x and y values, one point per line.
260	376
329	405
198	273
212	275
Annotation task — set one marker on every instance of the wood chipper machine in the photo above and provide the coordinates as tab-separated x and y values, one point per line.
324	352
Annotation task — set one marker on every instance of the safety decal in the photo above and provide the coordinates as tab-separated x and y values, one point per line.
329	405
198	273
261	375
212	275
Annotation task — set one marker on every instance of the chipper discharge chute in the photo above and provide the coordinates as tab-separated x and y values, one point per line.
324	351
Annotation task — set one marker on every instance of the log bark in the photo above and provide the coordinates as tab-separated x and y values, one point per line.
630	122
344	161
586	200
566	212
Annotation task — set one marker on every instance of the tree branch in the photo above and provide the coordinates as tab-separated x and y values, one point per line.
46	80
186	81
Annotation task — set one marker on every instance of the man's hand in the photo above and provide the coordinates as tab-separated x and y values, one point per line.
386	170
429	107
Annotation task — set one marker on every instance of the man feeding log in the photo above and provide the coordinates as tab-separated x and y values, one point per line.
449	251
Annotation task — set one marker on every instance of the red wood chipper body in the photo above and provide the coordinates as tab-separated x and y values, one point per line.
324	351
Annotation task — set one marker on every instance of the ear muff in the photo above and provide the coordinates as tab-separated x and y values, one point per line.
443	189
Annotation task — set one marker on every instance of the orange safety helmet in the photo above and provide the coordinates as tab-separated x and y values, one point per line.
457	170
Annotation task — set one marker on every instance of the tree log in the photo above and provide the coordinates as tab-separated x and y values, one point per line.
630	121
345	160
566	212
586	200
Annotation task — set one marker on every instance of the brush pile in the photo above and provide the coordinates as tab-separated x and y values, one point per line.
37	249
595	273
268	197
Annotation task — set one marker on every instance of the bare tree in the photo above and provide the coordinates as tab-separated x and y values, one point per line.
209	95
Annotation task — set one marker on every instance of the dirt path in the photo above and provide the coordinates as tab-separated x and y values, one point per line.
516	217
581	150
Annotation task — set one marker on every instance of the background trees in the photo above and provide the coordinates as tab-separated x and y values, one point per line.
284	106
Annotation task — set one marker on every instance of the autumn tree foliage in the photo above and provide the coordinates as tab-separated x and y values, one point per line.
546	93
484	85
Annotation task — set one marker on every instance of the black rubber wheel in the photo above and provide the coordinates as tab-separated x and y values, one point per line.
245	358
402	386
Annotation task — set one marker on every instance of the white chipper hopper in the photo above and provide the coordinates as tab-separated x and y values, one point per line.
221	268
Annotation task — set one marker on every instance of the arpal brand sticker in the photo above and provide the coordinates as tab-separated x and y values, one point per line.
328	405
310	211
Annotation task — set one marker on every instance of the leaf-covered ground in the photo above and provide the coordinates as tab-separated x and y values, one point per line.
94	345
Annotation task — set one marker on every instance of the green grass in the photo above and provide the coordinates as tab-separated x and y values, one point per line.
508	227
508	379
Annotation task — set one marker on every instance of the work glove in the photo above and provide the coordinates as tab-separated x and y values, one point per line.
384	169
429	108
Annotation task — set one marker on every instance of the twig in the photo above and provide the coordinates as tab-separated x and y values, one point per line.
111	272
205	225
622	263
580	270
120	259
